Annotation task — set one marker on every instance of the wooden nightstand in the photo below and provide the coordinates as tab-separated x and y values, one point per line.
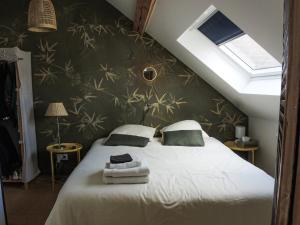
233	146
66	148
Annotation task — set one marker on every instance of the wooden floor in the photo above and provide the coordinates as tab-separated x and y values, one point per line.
32	206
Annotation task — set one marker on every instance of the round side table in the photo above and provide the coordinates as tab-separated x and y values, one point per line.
233	146
63	148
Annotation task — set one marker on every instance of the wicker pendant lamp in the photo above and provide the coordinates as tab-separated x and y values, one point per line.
41	16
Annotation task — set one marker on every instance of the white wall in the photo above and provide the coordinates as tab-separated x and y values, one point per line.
265	131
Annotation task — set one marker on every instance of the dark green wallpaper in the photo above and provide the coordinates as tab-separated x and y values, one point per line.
94	63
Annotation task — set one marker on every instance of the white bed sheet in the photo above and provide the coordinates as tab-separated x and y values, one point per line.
208	185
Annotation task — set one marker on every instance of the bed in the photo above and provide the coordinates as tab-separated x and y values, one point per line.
208	185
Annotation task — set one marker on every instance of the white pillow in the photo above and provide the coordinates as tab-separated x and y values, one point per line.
136	130
185	125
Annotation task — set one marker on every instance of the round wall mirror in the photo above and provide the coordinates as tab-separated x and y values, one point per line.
149	74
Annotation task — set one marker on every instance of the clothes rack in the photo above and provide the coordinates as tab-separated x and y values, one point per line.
26	143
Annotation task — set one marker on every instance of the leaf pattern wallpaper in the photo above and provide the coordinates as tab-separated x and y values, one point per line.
93	64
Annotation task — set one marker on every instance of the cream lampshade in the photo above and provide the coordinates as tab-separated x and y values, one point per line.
57	109
41	16
240	131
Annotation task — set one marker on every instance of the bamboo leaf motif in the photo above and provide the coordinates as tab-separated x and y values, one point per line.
12	37
91	122
144	40
166	63
168	101
120	27
47	52
110	29
111	76
70	73
99	29
136	95
228	119
189	77
170	109
76	110
131	73
46	75
178	102
133	97
233	119
108	74
98	85
87	40
88	32
20	39
76	100
89	97
219	107
222	128
116	101
69	67
160	101
77	106
205	122
239	120
149	95
155	108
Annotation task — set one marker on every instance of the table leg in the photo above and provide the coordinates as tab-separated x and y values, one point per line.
253	160
52	171
78	157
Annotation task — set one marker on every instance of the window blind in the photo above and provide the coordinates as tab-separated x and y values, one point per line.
219	29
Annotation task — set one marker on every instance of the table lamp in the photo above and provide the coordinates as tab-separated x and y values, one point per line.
240	131
57	110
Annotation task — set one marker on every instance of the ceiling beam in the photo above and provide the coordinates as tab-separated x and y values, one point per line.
143	11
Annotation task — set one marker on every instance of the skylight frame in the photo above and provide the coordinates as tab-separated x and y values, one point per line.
258	72
269	71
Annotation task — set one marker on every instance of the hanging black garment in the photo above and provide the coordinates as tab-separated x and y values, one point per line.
8	96
9	156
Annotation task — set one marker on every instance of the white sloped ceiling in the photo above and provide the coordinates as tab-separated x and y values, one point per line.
262	20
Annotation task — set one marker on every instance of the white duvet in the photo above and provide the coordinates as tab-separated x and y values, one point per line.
208	185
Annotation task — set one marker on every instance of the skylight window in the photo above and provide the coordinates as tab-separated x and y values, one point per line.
238	45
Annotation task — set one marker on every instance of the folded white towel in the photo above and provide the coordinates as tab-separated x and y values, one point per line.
130	172
126	165
125	180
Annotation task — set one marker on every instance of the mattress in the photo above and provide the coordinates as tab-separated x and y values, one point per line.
207	185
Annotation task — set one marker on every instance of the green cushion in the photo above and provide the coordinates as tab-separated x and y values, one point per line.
183	138
126	140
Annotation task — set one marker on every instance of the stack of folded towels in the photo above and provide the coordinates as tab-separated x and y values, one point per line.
123	169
